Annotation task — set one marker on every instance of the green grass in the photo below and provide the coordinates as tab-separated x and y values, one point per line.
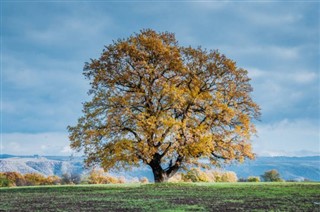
164	197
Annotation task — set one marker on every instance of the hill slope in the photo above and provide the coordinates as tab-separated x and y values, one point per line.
290	168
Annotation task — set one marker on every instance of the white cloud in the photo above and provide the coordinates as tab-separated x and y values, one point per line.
293	75
268	52
66	150
49	143
304	77
256	73
78	24
284	89
269	18
286	137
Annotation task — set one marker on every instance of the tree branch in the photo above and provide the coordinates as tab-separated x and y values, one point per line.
166	150
133	132
219	156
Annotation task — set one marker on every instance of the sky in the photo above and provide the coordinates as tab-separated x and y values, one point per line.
44	46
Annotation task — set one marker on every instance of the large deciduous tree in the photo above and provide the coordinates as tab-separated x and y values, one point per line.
163	105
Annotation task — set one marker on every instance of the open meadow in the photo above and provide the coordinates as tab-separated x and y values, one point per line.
164	197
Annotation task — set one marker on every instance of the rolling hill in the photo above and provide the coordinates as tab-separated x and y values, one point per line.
290	168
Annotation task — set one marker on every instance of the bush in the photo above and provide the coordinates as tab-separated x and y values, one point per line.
100	177
253	179
195	175
122	179
34	179
14	178
30	179
271	176
177	178
242	179
4	182
53	180
230	177
216	176
144	180
71	178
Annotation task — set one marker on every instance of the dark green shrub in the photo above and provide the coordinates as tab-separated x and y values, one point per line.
271	176
253	179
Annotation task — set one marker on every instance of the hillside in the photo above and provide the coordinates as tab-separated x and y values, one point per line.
290	168
40	165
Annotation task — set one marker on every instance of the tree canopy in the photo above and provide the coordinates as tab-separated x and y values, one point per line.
167	106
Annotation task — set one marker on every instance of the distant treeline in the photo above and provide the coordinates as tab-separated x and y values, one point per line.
9	179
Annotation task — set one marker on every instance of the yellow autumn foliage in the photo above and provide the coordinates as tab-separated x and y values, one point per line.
167	106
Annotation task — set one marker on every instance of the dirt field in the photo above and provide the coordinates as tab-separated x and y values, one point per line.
165	197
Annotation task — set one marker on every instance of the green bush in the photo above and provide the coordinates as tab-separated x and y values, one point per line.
271	176
4	182
253	179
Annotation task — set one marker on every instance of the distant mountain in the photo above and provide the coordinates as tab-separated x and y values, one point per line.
40	165
290	168
2	156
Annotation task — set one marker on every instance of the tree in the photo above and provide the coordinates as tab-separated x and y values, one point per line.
163	105
271	176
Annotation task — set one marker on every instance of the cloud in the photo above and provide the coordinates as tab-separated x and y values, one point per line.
66	150
45	46
288	93
305	77
268	52
284	76
300	137
48	143
266	18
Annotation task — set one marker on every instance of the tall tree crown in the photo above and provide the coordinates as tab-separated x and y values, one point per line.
164	105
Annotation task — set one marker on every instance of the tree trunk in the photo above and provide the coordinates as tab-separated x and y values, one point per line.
160	175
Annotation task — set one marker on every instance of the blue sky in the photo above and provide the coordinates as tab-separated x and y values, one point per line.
45	44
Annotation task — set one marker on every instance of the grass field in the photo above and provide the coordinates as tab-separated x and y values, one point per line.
164	197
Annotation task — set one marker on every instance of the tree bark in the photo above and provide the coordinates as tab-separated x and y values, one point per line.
160	175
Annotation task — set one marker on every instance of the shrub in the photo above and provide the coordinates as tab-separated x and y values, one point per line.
122	179
253	179
176	178
144	180
230	177
216	176
4	182
271	176
71	178
53	180
14	178
195	175
30	179
242	179
34	179
100	177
